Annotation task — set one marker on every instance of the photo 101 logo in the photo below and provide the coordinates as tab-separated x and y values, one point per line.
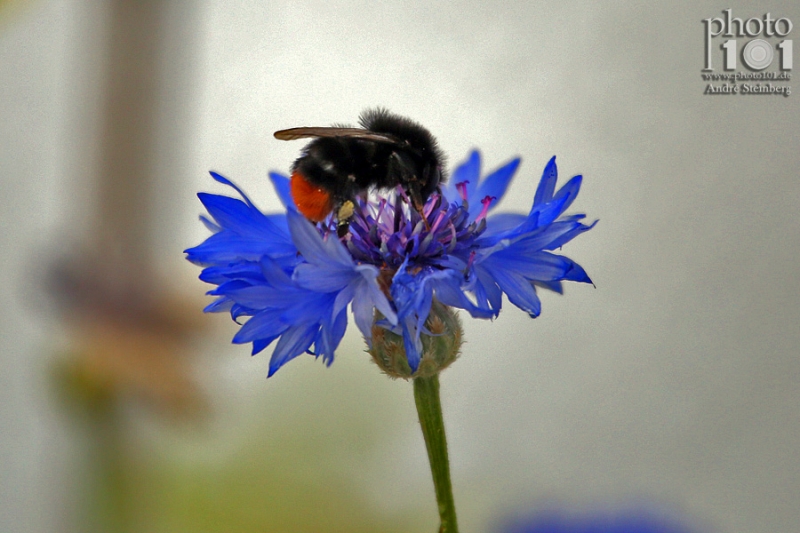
759	44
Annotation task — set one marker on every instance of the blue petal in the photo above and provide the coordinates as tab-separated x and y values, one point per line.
364	315
263	325
219	305
502	223
531	227
227	247
447	286
543	214
229	183
282	188
279	220
494	185
412	344
520	292
468	171
412	295
274	273
310	243
372	291
221	274
293	342
575	272
229	285
331	336
541	266
570	190
543	238
240	310
260	344
323	278
368	297
210	226
487	291
547	185
266	297
569	235
555	286
237	216
540	216
344	297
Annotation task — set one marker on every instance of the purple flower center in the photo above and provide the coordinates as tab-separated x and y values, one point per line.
387	231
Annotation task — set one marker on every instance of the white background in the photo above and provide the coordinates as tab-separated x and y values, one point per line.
674	381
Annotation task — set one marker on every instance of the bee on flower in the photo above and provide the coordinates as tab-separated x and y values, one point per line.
396	261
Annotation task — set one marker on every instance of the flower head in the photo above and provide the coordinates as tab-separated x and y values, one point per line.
295	279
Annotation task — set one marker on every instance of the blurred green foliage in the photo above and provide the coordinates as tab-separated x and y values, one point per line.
286	458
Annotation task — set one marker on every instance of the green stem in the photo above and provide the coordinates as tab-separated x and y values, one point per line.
429	408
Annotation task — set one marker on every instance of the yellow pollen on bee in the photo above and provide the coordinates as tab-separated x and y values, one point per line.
346	210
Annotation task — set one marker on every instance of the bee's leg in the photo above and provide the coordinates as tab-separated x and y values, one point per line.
343	216
419	205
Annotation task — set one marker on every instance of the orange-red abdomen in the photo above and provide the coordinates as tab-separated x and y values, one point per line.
314	202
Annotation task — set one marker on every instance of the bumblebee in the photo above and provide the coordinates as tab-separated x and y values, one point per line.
341	163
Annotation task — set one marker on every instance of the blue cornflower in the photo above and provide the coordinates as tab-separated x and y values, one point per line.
635	521
295	279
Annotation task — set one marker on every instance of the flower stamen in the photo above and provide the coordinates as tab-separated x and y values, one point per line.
462	191
486	201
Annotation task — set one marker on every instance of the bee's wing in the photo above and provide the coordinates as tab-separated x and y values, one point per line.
353	133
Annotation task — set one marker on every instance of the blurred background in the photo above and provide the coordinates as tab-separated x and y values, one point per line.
671	388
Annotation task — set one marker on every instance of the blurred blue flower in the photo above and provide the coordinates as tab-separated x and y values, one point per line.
295	280
610	522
